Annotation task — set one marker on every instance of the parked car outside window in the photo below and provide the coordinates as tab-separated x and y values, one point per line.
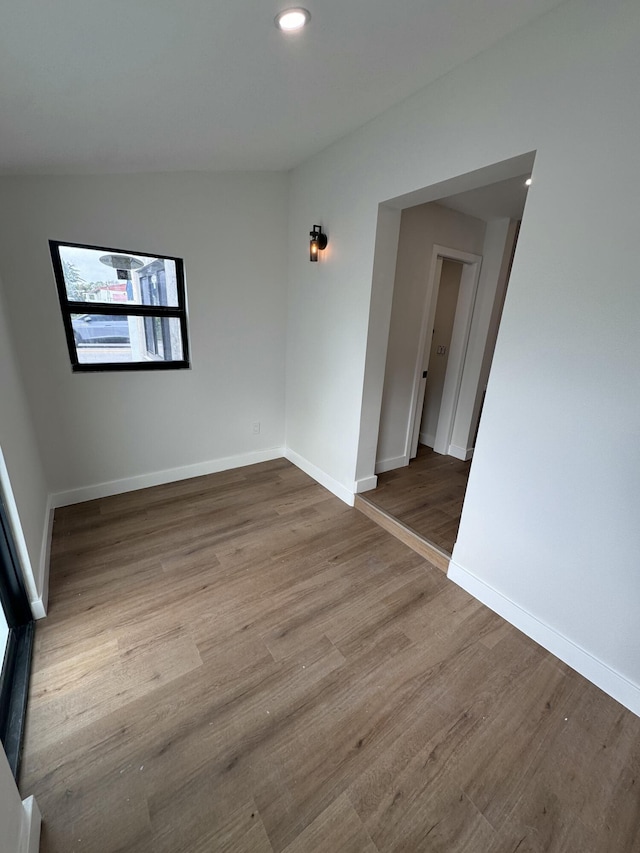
121	310
100	328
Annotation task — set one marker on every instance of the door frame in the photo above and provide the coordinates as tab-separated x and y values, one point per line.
14	599
457	351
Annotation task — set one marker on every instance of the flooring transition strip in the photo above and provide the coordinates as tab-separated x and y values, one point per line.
431	552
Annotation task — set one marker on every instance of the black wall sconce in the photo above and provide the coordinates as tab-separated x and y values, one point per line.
317	243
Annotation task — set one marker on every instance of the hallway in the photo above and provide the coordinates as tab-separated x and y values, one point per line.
426	496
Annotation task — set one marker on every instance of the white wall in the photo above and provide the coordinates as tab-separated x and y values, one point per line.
421	228
139	428
549	533
19	820
10	809
22	477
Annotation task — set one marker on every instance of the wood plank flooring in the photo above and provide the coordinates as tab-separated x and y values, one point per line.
242	663
431	553
427	495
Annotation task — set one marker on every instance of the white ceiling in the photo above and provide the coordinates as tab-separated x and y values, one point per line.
140	85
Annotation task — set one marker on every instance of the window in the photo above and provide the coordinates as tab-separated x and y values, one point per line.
121	310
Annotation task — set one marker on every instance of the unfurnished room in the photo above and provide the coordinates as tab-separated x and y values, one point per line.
319	427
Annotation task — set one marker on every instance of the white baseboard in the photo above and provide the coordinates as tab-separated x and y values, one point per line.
31	822
464	453
320	476
159	478
607	679
365	484
427	439
383	465
38	608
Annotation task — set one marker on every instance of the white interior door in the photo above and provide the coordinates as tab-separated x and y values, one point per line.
457	355
448	295
462	325
425	342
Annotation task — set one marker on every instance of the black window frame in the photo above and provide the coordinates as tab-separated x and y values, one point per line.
16	665
124	309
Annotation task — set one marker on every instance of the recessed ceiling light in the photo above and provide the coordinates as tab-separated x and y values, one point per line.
527	183
291	20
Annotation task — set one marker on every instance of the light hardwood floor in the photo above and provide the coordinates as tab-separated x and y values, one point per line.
242	663
426	495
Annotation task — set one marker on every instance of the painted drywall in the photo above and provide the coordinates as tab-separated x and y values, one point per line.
138	428
11	813
496	257
421	228
439	350
550	518
384	266
19	819
22	476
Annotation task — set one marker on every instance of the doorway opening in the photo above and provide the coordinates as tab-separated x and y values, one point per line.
454	257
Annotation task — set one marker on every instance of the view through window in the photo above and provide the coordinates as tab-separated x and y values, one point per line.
121	310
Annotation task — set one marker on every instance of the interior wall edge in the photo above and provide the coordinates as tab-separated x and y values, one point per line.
15	523
321	477
594	670
31	825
